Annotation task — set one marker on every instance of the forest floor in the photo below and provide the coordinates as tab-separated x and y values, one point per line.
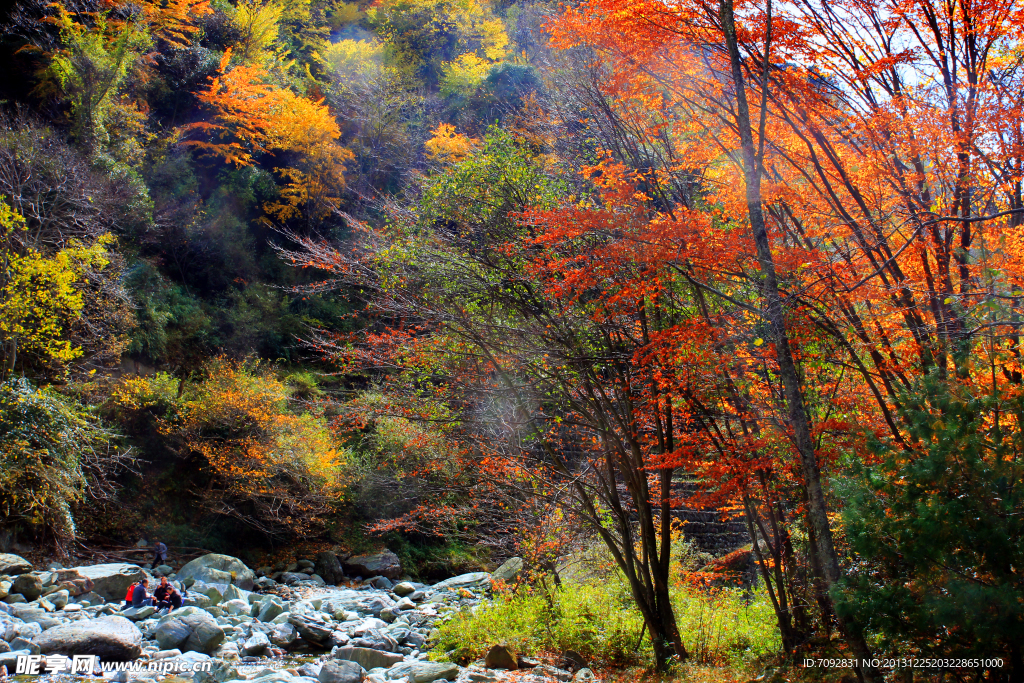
688	673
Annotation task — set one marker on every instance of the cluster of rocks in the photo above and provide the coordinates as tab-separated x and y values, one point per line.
330	569
244	622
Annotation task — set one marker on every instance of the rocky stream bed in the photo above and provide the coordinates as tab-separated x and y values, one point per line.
314	621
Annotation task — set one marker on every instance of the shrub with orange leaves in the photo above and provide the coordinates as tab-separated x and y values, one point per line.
263	463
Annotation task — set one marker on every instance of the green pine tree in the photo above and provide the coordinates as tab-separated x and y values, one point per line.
938	533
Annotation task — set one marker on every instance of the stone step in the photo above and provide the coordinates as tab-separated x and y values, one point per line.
710	529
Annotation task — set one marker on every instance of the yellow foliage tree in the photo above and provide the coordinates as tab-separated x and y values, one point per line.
463	75
264	464
448	146
312	187
41	297
257	22
355	59
424	35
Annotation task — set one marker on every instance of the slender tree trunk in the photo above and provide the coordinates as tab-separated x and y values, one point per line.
775	314
653	599
653	568
778	600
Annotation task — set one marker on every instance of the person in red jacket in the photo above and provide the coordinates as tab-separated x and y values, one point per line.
129	594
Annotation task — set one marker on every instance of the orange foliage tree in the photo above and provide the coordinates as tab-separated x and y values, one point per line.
275	470
803	212
253	117
869	155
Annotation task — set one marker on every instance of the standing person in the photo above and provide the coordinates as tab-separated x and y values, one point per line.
159	554
140	596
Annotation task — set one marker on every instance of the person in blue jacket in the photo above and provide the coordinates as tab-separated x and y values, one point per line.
140	596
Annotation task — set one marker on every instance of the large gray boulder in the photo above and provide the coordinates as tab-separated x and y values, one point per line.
312	630
32	613
270	608
256	644
499	657
309	669
14	564
340	672
423	672
471	580
233	592
376	640
59	599
367	658
509	570
10	659
329	568
404	588
284	635
213	591
138	613
196	631
194	599
216	568
384	563
28	585
22	643
110	638
172	634
235	608
111	581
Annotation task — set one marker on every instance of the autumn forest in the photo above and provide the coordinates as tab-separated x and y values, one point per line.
578	283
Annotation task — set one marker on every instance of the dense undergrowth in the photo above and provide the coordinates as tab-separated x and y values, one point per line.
593	613
722	626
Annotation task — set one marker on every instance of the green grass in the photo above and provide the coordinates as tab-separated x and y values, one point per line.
724	626
598	619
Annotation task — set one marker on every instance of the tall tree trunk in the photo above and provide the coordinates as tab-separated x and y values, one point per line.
775	314
655	605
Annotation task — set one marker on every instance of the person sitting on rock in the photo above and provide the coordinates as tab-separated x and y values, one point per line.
129	595
140	596
166	596
174	597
